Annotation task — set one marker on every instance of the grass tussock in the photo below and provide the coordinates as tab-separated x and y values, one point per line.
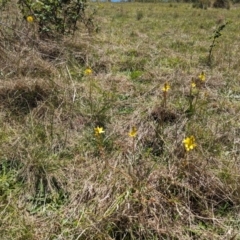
130	132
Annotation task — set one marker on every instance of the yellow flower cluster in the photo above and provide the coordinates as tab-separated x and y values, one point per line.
30	19
202	77
193	84
88	72
189	143
166	87
199	81
133	132
98	131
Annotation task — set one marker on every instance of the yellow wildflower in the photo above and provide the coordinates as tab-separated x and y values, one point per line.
30	19
202	77
193	85
98	131
189	143
166	87
133	132
88	71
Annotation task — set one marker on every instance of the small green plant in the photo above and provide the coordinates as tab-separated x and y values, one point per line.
135	74
7	178
192	98
134	162
98	101
88	73
216	35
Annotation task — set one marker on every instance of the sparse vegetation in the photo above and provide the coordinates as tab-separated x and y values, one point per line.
124	133
217	34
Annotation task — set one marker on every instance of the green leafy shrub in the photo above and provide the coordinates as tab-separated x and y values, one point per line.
55	16
221	4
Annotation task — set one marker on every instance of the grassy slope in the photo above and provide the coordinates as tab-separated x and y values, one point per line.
59	181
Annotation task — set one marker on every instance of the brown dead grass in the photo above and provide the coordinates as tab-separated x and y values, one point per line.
64	183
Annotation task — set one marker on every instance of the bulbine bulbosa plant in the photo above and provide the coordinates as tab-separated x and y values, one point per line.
194	91
98	131
133	133
165	90
55	17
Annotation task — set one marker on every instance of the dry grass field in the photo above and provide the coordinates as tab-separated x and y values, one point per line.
128	132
